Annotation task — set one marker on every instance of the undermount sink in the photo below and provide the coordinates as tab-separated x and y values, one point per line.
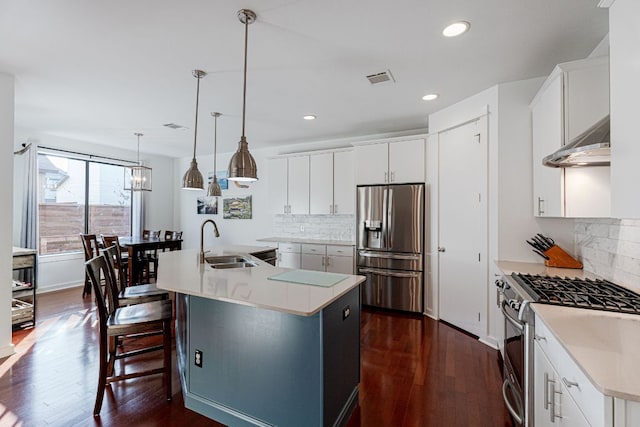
229	261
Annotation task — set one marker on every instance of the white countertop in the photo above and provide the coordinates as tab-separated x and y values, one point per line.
605	345
181	271
311	241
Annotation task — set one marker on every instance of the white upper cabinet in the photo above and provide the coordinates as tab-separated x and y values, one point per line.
344	183
298	184
317	184
278	200
289	185
391	162
372	164
321	183
572	99
624	48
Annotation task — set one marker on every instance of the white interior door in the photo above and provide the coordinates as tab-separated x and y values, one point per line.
462	228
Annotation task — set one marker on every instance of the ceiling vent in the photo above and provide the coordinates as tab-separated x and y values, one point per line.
174	126
382	77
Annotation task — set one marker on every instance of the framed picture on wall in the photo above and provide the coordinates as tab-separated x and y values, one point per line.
207	205
237	208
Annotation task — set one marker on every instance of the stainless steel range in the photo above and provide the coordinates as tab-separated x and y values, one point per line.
517	292
593	294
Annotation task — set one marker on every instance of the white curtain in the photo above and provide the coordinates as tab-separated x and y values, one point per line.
26	211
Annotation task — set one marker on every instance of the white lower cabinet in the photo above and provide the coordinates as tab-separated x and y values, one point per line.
289	255
563	395
330	258
554	406
626	413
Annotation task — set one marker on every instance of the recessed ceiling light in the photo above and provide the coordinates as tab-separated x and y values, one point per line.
309	117
430	97
456	29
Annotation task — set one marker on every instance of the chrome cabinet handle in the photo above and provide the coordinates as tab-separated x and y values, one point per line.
393	176
540	202
546	390
335	209
441	249
570	384
539	337
386	175
323	264
327	258
330	208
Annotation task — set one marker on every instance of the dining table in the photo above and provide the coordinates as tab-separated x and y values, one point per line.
136	246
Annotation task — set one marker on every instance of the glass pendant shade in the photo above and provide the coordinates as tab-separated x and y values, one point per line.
242	166
138	177
192	179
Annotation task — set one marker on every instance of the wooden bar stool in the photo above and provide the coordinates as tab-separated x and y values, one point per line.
130	323
91	250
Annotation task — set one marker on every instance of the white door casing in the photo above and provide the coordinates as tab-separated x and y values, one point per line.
463	225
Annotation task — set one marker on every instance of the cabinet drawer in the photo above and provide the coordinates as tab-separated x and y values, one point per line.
595	406
289	247
337	250
23	261
313	249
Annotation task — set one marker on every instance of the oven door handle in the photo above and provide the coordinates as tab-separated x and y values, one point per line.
515	322
516	416
388	273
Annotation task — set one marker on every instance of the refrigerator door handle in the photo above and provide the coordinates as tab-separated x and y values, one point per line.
388	256
389	273
385	218
389	214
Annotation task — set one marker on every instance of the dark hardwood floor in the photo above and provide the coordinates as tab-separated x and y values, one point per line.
415	372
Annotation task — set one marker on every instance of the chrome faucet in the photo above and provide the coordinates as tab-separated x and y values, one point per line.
215	232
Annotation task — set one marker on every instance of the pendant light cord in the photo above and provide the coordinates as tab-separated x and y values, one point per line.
215	141
195	131
138	134
244	86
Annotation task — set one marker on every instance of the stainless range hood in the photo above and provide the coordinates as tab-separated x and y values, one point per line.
591	148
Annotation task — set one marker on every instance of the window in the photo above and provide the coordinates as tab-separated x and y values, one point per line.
79	196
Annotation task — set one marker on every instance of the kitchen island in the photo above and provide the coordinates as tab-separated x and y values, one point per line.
253	351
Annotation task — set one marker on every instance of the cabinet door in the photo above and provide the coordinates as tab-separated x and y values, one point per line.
313	262
544	378
340	264
298	184
548	130
289	259
321	184
406	161
278	186
344	183
625	92
372	164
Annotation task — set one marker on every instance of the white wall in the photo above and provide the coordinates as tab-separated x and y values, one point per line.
6	213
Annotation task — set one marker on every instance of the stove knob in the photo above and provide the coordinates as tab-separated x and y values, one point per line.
514	304
500	283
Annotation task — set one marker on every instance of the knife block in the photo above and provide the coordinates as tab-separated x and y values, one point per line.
559	258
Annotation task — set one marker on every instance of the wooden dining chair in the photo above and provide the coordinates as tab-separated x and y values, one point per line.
127	323
91	250
123	261
134	294
172	235
150	258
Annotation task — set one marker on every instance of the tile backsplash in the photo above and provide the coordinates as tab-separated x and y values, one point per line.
325	227
610	248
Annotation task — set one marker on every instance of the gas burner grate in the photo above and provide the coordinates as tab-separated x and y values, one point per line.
595	294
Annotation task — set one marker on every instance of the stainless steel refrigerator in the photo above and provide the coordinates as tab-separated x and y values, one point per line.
390	245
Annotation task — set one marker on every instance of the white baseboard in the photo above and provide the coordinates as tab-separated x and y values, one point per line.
7	351
59	287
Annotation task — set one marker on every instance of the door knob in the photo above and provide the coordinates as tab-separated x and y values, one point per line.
441	249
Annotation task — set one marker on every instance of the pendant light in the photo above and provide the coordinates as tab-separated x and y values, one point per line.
192	179
214	188
138	177
242	166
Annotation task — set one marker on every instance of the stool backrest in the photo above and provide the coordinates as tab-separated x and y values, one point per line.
90	246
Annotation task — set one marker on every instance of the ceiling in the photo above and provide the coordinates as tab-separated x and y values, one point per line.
98	71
